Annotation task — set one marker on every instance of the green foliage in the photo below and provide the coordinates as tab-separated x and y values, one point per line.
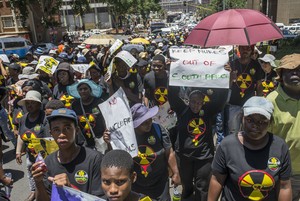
48	8
80	7
217	5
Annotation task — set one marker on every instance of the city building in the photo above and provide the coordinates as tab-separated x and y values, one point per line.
97	18
184	6
282	11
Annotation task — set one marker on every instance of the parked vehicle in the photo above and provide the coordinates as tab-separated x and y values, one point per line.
287	34
14	45
44	47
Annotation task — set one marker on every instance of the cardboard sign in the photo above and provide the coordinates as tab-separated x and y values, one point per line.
47	64
164	118
199	68
127	58
117	44
119	122
45	146
82	68
4	58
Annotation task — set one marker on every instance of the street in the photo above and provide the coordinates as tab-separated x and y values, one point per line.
20	189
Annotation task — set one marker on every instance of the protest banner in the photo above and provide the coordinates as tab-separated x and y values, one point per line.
4	58
82	68
119	122
66	193
164	117
45	146
47	64
199	68
117	44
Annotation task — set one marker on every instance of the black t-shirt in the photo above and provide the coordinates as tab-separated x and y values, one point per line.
83	172
156	89
252	173
29	130
151	164
245	85
194	131
60	93
93	116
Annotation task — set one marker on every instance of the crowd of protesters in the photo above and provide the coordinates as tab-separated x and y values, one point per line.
257	160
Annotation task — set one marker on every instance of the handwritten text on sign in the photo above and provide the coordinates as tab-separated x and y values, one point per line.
199	68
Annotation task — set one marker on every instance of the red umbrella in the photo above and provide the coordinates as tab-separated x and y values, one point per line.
234	27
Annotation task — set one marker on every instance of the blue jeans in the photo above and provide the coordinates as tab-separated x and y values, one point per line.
3	124
220	127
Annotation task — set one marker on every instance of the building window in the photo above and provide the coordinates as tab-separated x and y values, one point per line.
8	22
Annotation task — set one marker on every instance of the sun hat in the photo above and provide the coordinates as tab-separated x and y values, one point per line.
28	73
81	46
141	113
157	51
31	96
96	90
63	112
52	52
85	51
160	44
269	58
290	62
258	105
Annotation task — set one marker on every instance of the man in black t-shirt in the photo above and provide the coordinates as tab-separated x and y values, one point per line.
246	75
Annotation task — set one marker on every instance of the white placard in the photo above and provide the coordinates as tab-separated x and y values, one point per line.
47	64
164	117
199	68
82	68
4	58
119	122
117	44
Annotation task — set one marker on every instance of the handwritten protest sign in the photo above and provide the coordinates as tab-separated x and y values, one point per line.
117	44
45	146
4	58
47	64
199	68
119	122
82	68
65	193
164	117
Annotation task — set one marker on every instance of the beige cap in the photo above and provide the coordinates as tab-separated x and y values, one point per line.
290	61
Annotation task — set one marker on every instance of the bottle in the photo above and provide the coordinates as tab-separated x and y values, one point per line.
176	194
8	188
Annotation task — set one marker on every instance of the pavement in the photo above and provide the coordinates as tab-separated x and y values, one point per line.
20	189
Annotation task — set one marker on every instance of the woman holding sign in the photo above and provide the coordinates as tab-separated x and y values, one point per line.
194	144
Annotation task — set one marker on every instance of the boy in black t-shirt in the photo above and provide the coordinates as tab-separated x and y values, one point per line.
117	173
71	165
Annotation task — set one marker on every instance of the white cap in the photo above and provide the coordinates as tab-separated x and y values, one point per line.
160	44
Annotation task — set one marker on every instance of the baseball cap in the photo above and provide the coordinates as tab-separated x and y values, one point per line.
258	105
31	96
142	63
269	58
157	51
52	52
160	44
141	113
85	51
290	61
65	113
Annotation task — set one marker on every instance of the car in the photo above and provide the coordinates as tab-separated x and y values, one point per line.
45	47
287	34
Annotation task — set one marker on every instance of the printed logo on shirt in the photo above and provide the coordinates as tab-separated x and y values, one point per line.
37	128
26	137
67	100
273	164
196	127
256	184
86	122
146	156
81	177
161	95
151	140
243	81
95	110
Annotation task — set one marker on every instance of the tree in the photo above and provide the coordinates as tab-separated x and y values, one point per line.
80	7
43	9
217	5
144	7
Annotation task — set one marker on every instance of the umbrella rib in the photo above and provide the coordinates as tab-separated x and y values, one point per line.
247	36
206	38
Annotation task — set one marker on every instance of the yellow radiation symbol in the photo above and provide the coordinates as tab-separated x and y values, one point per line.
1	80
67	99
196	127
26	137
146	156
243	81
256	184
19	116
85	122
267	86
161	95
